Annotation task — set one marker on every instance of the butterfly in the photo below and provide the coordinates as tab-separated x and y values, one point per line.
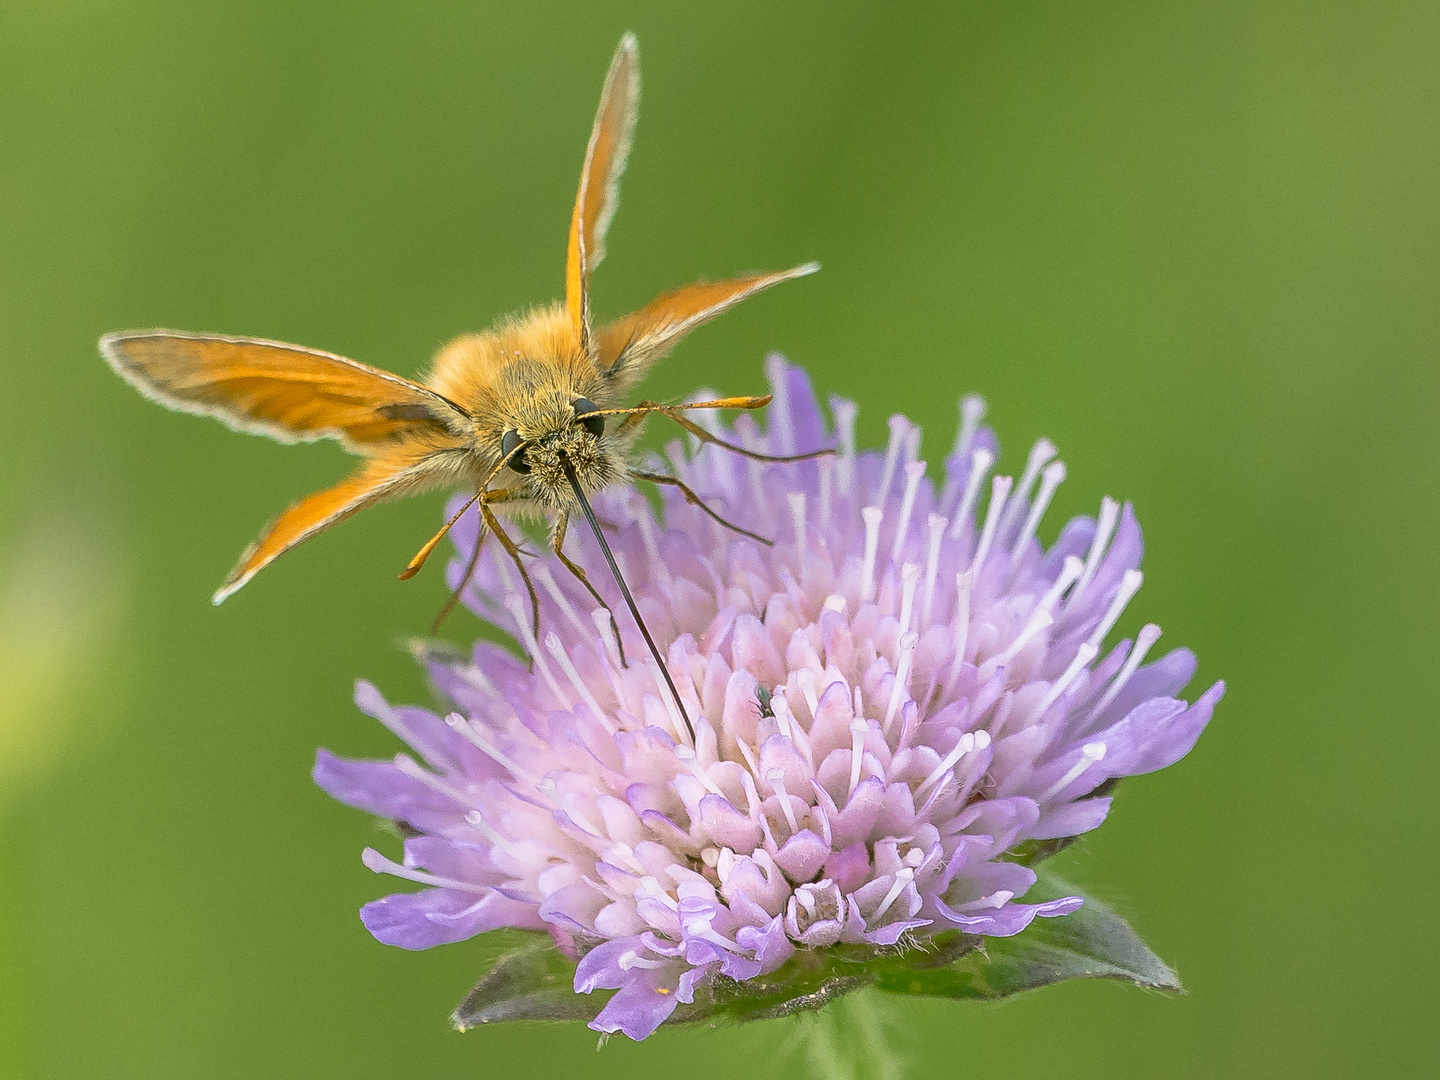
529	416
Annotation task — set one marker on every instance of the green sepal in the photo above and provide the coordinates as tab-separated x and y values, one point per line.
535	982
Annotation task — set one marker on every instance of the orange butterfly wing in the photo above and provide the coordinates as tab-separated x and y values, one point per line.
599	192
295	394
628	346
374	482
287	392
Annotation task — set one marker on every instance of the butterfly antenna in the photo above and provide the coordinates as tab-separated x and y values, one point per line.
625	591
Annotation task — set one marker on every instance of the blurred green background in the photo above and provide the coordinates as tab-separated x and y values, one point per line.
1196	245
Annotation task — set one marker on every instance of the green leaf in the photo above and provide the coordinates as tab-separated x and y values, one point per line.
534	983
1092	943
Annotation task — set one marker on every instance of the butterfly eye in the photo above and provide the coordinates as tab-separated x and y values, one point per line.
508	443
595	425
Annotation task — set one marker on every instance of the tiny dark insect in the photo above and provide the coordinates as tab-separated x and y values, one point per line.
764	696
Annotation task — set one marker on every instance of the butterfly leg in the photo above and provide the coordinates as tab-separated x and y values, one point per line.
674	413
557	543
493	524
464	581
695	500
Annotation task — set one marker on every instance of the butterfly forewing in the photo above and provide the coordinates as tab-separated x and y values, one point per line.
287	392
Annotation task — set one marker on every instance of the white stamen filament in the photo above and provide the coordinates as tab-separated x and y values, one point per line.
962	624
1040	455
1149	634
547	579
806	679
1040	620
646	521
724	864
903	877
373	860
503	568
476	820
471	734
967	743
834	602
651	888
858	730
999	492
909	578
777	781
797	517
781	708
749	755
557	649
826	465
630	959
1104	526
844	411
873	516
932	564
799	738
1129	586
408	766
515	604
609	634
747	784
1053	477
667	699
1083	656
972	410
995	900
901	687
980	463
914	473
551	790
1090	753
1069	572
692	762
898	429
476	678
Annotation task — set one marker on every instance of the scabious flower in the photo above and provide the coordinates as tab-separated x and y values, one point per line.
900	693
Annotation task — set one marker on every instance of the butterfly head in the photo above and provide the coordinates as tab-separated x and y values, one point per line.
556	429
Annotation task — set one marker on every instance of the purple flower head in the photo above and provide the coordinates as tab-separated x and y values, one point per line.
903	689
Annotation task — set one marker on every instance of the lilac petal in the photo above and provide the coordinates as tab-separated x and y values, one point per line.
768	943
642	1004
599	969
857	818
890	933
1008	920
802	856
427	734
849	867
378	787
1072	819
727	827
795	402
439	916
